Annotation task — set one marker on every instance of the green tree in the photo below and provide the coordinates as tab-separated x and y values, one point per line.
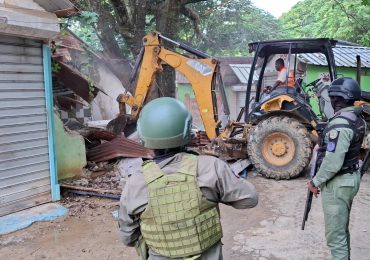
341	19
218	27
122	24
229	26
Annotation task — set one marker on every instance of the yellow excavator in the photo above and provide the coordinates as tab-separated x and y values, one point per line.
202	73
278	131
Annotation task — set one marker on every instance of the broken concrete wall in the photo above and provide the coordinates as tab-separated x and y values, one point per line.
106	107
70	151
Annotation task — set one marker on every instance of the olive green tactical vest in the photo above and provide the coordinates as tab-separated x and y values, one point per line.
178	221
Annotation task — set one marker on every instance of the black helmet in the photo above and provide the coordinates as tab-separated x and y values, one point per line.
346	88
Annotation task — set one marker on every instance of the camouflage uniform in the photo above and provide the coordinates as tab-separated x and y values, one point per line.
339	178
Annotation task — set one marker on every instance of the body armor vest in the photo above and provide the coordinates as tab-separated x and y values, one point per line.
178	221
357	125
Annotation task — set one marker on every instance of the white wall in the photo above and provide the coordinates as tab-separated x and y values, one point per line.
105	107
26	18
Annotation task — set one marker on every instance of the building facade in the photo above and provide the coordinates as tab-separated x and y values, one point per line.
28	174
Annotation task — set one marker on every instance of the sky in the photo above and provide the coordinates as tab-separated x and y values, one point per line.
275	7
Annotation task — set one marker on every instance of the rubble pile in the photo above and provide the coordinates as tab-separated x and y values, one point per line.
107	155
111	158
101	178
79	206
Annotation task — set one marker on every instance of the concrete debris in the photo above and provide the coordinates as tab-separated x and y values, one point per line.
102	124
70	151
99	181
73	124
102	174
80	206
82	182
128	166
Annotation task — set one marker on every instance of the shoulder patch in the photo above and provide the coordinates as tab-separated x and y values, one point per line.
333	134
331	146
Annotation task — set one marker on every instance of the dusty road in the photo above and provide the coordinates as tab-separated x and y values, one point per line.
270	231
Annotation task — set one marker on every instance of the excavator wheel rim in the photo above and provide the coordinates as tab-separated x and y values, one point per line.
278	149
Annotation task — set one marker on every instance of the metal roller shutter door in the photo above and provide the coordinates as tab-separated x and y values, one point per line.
24	152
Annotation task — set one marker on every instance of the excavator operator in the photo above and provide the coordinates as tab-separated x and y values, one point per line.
281	78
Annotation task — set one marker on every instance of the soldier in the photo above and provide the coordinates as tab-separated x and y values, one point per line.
170	205
338	176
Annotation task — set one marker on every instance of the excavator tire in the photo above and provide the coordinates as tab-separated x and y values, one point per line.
279	147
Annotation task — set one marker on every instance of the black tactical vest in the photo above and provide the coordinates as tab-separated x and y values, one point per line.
357	125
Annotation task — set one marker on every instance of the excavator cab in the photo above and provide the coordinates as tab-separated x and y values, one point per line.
281	141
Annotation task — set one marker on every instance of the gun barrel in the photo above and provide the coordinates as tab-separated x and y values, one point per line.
307	208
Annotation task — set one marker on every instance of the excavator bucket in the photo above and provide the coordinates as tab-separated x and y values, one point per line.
118	124
122	124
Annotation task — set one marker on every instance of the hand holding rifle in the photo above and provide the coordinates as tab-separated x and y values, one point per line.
312	188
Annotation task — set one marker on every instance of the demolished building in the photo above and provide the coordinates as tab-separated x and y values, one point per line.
28	174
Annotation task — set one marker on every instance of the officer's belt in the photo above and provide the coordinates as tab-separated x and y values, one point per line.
350	169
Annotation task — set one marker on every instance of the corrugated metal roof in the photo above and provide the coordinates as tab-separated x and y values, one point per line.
61	8
242	72
228	76
345	56
118	147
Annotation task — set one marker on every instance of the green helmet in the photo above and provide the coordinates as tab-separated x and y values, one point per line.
164	123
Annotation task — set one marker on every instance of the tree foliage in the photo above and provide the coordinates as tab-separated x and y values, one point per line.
218	27
83	26
228	26
341	19
122	24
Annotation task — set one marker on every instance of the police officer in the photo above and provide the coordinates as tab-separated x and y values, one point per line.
171	202
338	176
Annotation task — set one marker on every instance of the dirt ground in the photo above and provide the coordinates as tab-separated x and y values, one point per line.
269	231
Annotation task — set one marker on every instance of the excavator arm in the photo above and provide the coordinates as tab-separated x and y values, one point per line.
201	73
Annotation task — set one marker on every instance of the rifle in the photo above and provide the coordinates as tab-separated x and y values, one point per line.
320	128
307	207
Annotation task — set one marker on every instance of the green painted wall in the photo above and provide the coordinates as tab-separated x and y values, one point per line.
313	72
182	90
70	152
